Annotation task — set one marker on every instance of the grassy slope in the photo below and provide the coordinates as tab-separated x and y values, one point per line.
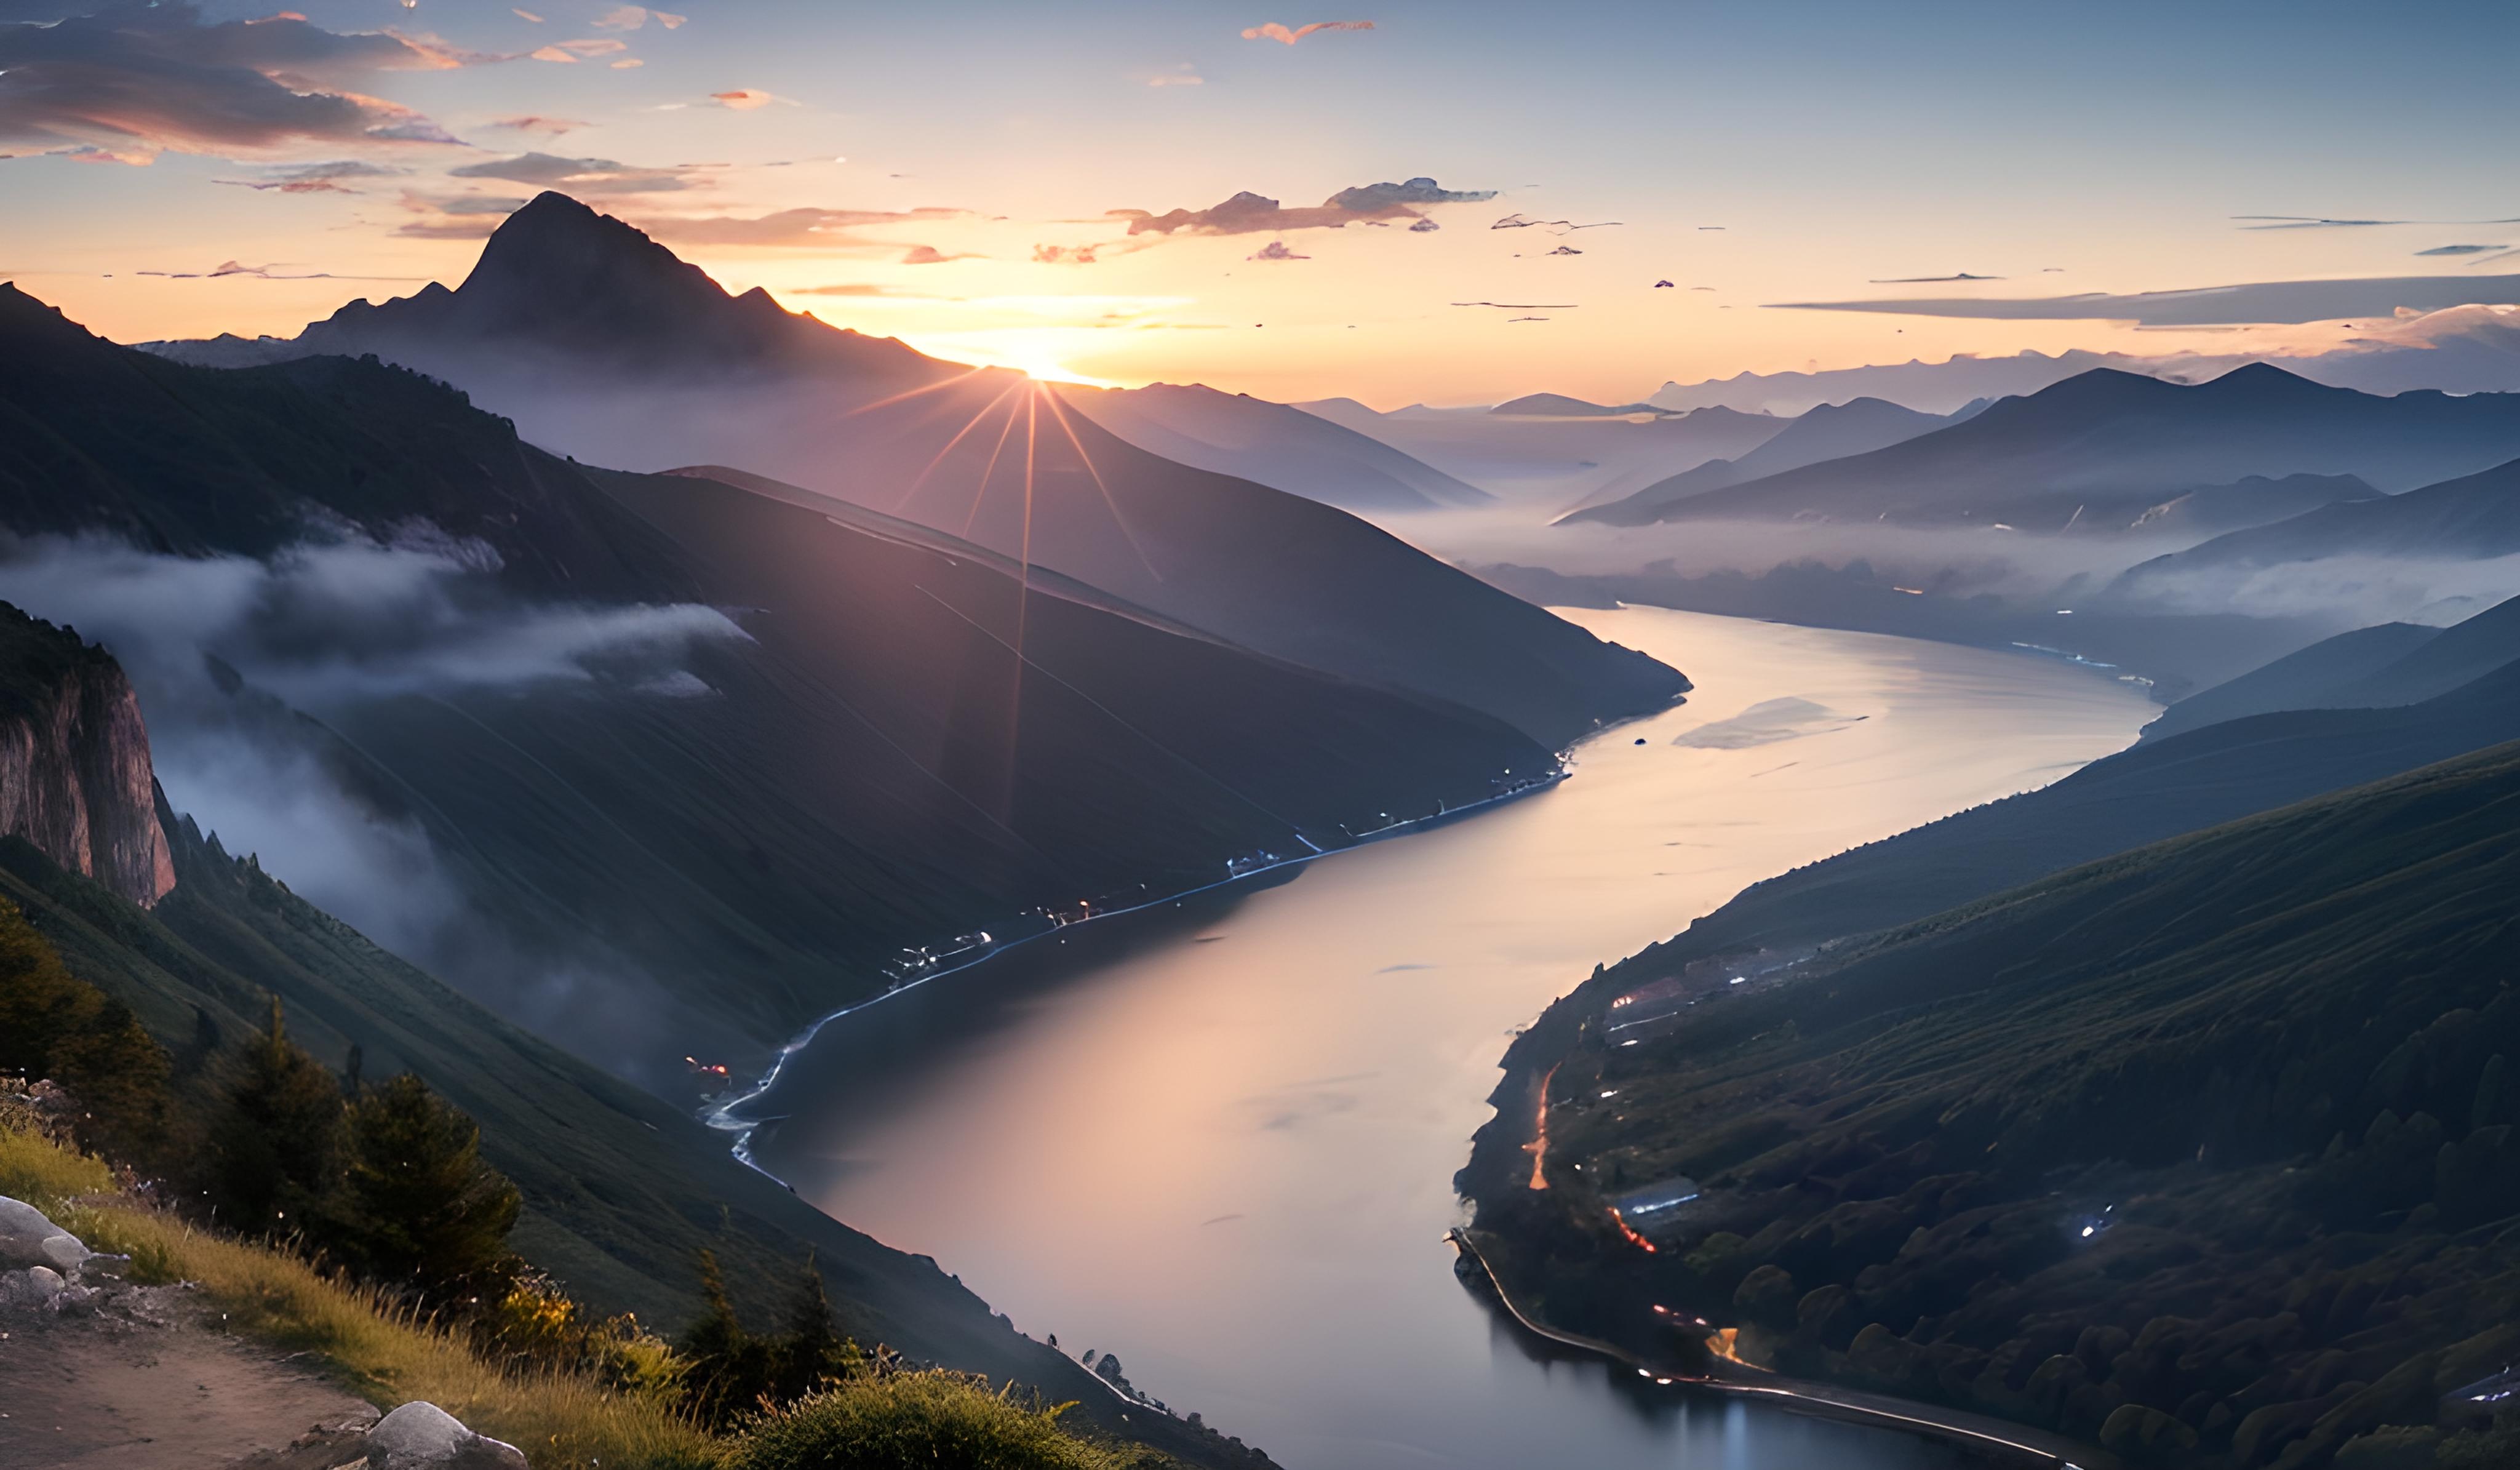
620	1190
2279	1047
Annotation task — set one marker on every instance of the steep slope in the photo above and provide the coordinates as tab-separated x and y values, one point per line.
621	1191
2308	679
910	739
1269	443
2117	438
650	366
74	771
2204	1151
1830	431
2466	518
2375	668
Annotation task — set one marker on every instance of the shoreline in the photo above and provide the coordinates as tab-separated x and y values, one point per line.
1794	1396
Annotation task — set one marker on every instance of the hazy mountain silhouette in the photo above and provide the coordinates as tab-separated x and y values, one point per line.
908	743
1830	431
2390	664
652	366
2117	438
1562	460
2472	517
1272	444
1561	406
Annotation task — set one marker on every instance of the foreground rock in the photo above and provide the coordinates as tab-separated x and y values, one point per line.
421	1436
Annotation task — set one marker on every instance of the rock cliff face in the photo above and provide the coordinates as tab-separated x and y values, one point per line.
74	773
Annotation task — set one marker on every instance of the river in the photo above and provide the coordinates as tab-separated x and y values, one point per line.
1219	1140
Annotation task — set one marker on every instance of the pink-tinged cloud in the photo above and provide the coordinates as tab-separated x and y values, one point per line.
622	17
536	123
1276	249
595	46
551	54
89	153
745	98
792	227
627	63
929	254
668	21
1273	31
149	78
1064	254
527	16
1248	213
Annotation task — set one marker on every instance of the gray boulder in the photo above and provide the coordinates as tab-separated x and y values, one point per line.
36	1286
29	1239
421	1436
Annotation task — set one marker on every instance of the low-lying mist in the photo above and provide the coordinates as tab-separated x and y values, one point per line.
238	664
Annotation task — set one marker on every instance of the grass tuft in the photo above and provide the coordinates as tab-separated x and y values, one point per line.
905	1420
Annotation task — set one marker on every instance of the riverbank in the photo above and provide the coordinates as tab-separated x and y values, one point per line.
2057	1156
1221	1143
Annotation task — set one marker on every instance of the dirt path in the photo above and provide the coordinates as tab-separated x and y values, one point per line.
164	1393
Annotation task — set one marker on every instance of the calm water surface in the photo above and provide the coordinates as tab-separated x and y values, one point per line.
1221	1144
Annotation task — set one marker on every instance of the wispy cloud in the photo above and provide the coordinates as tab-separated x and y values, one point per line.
793	227
315	178
1276	249
536	123
1248	213
2274	302
746	99
581	176
1932	280
1274	32
1553	226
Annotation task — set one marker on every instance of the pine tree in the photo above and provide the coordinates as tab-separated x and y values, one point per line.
275	1149
730	1371
417	1206
813	1353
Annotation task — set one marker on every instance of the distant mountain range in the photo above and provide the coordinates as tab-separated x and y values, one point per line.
2390	664
1827	431
2112	444
599	343
905	746
2466	349
1562	459
1271	443
2471	517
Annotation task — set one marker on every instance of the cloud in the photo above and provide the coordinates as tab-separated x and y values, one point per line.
461	216
136	77
573	51
1065	254
1424	227
1565	249
315	178
746	99
1276	249
580	176
1553	226
929	254
1248	213
527	16
802	226
1274	31
621	18
89	153
626	62
1182	76
536	123
2314	222
2268	303
1932	280
2462	249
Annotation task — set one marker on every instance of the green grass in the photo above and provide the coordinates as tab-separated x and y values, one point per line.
913	1421
43	1173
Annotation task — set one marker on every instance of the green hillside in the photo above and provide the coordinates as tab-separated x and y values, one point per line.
2221	1128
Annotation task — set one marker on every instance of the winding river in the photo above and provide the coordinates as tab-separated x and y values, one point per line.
1217	1140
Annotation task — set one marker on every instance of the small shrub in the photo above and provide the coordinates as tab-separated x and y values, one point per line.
922	1420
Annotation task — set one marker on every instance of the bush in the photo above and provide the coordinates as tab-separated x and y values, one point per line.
922	1420
731	1371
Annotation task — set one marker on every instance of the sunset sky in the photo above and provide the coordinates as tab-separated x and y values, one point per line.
949	172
